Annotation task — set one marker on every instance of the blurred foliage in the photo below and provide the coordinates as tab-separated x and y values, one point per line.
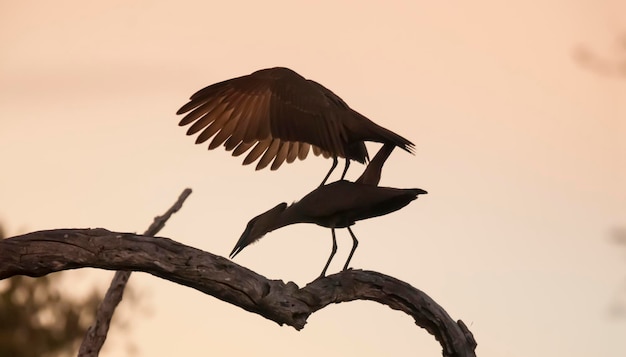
38	320
610	62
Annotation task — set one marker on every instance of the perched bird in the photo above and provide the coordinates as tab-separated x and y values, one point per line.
336	205
280	115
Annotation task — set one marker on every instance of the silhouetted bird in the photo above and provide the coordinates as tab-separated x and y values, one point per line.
279	115
336	205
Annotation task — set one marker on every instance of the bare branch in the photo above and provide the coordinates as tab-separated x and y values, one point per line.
159	221
97	332
44	252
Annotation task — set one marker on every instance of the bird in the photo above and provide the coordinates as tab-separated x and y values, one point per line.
336	205
323	200
279	116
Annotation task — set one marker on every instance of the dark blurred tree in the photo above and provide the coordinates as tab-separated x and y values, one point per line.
618	306
38	320
611	63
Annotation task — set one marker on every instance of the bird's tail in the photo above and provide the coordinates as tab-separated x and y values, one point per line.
398	140
375	132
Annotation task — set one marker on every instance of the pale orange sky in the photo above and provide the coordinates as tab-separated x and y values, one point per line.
520	149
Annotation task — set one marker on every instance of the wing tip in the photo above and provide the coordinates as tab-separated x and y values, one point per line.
410	148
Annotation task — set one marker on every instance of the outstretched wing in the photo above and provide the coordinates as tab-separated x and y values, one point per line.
273	114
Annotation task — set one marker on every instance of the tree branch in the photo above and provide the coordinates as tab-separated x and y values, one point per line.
44	252
97	332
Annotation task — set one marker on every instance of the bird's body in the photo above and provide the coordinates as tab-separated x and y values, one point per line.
336	205
279	116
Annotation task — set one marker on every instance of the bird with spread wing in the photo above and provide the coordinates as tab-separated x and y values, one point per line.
276	115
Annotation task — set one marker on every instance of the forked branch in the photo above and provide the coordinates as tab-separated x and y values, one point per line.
97	332
44	252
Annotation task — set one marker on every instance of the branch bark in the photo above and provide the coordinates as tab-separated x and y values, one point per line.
97	332
44	252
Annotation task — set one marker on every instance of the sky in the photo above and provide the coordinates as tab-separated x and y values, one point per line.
519	146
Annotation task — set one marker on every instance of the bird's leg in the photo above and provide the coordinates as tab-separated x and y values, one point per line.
332	253
345	169
355	243
331	170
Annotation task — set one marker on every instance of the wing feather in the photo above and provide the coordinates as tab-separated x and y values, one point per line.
268	155
294	148
215	126
232	143
243	147
204	116
198	113
281	155
304	150
259	125
223	134
259	149
244	111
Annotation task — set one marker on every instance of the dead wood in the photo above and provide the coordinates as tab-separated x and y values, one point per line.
40	253
97	332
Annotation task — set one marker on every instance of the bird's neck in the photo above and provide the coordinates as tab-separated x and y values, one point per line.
289	216
371	175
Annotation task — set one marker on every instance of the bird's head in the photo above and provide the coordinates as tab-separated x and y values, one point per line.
258	227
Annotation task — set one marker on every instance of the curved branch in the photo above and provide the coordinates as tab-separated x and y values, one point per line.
97	332
44	252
